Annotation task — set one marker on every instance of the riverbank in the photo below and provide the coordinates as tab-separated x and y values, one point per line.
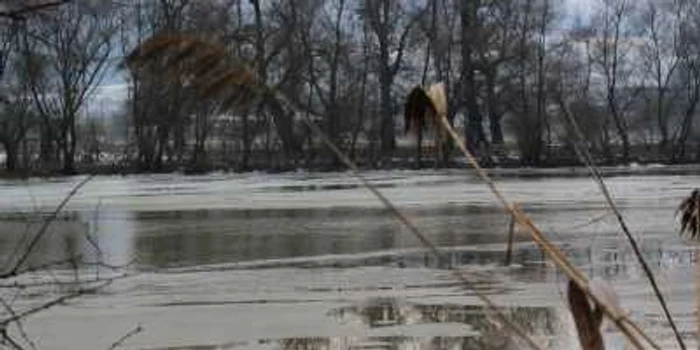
456	167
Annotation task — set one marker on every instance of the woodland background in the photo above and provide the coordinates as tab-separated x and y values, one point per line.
515	72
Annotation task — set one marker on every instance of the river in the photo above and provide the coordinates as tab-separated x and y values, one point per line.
313	261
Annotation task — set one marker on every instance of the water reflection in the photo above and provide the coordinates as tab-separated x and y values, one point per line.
282	237
399	317
314	255
389	343
185	238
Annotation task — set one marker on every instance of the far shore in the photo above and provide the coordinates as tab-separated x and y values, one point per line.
457	167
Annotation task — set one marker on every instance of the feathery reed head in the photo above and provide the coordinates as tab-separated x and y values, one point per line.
204	66
690	214
416	110
423	108
437	95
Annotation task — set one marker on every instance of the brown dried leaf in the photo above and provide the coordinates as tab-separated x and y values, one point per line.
587	319
690	214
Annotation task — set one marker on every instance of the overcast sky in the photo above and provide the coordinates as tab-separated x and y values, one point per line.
582	8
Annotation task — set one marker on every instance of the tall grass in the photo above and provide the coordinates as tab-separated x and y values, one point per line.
172	55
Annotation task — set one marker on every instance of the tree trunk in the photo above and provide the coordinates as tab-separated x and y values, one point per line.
542	119
474	132
419	147
46	145
245	159
621	130
70	142
388	141
494	114
11	156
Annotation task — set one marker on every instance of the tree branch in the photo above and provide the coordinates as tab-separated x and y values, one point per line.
21	13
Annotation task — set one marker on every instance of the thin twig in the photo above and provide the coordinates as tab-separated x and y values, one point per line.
126	336
490	306
589	222
92	236
19	14
554	253
58	282
6	338
44	228
48	264
20	326
585	157
60	300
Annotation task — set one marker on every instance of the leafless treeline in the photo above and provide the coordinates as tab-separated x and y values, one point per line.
517	73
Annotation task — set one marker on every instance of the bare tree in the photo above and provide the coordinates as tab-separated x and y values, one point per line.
613	49
661	62
689	72
474	130
391	25
498	33
17	116
14	102
74	45
17	10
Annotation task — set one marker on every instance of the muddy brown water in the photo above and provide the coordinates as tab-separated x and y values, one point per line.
312	261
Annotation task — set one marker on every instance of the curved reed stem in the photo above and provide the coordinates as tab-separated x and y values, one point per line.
491	308
587	159
625	325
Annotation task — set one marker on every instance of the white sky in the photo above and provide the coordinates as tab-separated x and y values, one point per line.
579	8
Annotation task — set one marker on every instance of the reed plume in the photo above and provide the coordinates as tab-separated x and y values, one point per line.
179	54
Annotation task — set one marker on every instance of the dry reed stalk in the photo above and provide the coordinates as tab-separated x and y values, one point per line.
511	236
241	84
690	223
490	308
697	291
588	318
175	53
585	157
625	325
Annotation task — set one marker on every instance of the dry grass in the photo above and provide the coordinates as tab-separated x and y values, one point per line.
182	54
192	62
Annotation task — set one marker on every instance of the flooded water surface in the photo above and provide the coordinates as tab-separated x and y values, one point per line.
313	261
